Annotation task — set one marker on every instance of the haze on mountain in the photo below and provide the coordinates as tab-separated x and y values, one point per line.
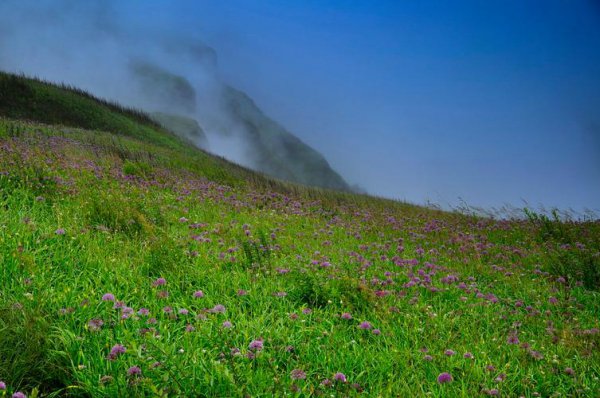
174	79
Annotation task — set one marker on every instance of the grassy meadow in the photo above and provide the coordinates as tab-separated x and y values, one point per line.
134	265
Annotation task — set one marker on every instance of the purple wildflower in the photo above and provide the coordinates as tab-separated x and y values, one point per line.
298	374
512	339
119	304
376	332
117	350
242	292
449	353
468	355
340	377
227	325
189	328
346	315
60	231
95	324
159	282
307	311
569	371
365	325
519	304
19	394
134	371
428	358
183	311
444	378
2	386
144	311
198	294
256	345
108	297
219	308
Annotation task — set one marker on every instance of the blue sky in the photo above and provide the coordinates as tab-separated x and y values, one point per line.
494	102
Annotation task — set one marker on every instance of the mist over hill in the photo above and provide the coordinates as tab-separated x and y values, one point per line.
236	128
175	78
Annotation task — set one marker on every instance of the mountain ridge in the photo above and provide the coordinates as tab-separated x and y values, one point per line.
266	145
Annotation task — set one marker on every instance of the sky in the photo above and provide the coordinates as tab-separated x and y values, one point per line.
488	103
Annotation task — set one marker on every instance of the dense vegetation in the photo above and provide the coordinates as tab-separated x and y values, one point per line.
134	265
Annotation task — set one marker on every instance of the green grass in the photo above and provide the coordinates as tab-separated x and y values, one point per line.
85	212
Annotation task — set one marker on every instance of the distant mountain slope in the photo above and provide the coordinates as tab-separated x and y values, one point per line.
276	151
157	86
266	145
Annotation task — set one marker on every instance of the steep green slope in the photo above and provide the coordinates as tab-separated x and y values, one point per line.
30	99
277	152
132	267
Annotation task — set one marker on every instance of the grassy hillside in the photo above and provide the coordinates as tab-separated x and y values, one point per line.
131	265
29	99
